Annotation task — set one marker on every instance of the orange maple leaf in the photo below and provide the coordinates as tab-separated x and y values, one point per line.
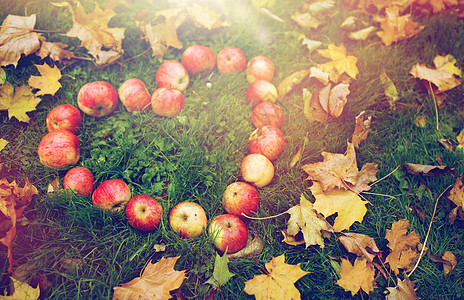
402	245
397	28
155	282
357	276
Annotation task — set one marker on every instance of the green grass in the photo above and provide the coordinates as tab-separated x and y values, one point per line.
193	157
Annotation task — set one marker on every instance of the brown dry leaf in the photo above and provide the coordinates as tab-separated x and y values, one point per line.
436	6
361	129
451	258
48	82
290	82
357	276
360	244
427	170
155	282
397	28
253	247
306	20
349	206
337	99
17	101
402	245
313	110
102	42
16	38
403	291
304	219
340	63
366	176
456	194
278	283
55	51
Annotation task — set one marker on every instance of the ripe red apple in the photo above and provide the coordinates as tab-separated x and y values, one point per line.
79	179
231	61
64	116
59	149
261	90
229	233
97	98
267	113
188	219
172	75
198	59
266	140
257	169
134	95
240	198
111	194
167	103
260	67
144	213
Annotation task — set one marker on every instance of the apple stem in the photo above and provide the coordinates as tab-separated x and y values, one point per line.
265	218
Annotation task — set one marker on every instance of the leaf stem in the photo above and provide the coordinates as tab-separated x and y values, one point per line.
264	218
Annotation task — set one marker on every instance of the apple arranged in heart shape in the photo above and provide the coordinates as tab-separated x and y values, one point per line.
198	59
167	102
260	68
188	219
134	95
172	75
267	140
257	169
267	113
144	213
261	90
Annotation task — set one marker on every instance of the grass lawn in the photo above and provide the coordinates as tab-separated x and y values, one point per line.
84	252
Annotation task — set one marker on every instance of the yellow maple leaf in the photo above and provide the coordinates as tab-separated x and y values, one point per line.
278	283
349	206
23	290
3	144
401	244
48	82
397	28
357	276
304	219
155	282
17	101
341	63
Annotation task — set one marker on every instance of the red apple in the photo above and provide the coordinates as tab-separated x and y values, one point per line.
64	116
144	213
266	140
261	90
231	61
134	95
229	233
240	198
267	113
260	67
188	219
172	75
59	149
97	98
167	103
79	179
257	169
111	194
198	59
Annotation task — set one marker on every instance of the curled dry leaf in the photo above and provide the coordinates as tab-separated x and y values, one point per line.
427	170
253	247
403	291
361	129
361	34
337	99
451	258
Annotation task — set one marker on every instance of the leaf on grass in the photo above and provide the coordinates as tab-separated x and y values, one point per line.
361	129
16	38
310	44
306	20
290	82
304	219
427	170
357	276
253	247
48	82
395	27
317	73
278	283
349	206
2	76
436	6
451	258
402	245
337	99
18	101
221	274
403	291
390	89
456	194
23	290
361	34
360	244
295	159
56	51
156	281
340	63
3	144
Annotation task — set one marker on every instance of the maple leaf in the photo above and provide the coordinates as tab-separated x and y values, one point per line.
155	282
397	28
221	274
278	283
436	5
349	206
17	101
357	276
16	38
23	290
443	76
3	144
55	51
360	244
304	219
456	194
401	244
48	82
403	291
340	63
